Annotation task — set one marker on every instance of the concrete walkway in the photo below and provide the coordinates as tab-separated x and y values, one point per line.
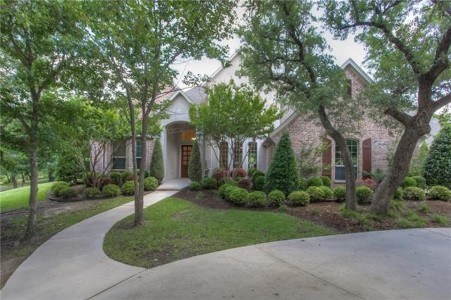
399	264
72	264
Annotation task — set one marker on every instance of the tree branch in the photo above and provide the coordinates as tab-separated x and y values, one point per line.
442	102
400	116
441	62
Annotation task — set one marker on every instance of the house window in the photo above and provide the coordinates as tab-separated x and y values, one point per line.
119	155
339	164
237	155
138	150
252	155
224	155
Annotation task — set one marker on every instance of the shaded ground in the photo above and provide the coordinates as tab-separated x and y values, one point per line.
329	213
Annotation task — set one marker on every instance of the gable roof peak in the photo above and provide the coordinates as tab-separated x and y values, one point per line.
350	62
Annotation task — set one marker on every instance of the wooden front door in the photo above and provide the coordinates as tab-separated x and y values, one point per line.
186	154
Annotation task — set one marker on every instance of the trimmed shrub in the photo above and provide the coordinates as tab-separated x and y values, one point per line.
437	167
300	198
103	180
239	172
421	181
209	183
283	171
91	192
228	190
257	199
315	181
224	180
195	186
111	190
245	183
238	196
126	175
364	194
399	194
57	187
414	193
195	165
156	163
259	183
223	188
67	193
116	178
316	193
439	192
128	188
328	193
256	174
326	181
70	166
340	193
218	173
408	182
150	183
276	198
302	184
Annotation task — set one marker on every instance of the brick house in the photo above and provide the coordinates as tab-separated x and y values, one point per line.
370	147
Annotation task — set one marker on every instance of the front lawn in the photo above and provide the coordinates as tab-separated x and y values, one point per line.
18	198
177	229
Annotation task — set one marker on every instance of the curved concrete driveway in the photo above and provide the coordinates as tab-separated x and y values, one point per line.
401	264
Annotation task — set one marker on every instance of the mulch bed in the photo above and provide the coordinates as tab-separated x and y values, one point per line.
324	213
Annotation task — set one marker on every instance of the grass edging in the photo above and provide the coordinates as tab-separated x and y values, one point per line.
176	229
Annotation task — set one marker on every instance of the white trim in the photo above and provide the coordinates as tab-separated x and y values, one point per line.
359	70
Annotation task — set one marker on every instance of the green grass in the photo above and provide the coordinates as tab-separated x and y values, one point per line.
18	198
177	229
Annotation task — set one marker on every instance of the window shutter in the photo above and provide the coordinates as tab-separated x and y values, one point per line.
327	158
366	158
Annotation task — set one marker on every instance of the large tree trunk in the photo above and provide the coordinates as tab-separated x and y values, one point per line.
139	198
14	180
351	201
413	131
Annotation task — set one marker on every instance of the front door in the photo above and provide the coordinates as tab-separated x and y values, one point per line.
186	154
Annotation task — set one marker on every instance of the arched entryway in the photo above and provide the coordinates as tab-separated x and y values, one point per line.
179	140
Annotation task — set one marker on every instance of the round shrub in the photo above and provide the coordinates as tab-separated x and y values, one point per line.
57	187
245	183
209	183
364	194
316	193
111	190
218	173
326	181
399	194
224	180
116	178
414	193
300	198
91	192
238	196
408	181
150	183
67	193
229	189
302	184
315	181
222	188
128	188
239	172
257	199
259	183
340	193
251	171
421	181
276	198
256	173
328	193
439	192
195	186
437	166
126	175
